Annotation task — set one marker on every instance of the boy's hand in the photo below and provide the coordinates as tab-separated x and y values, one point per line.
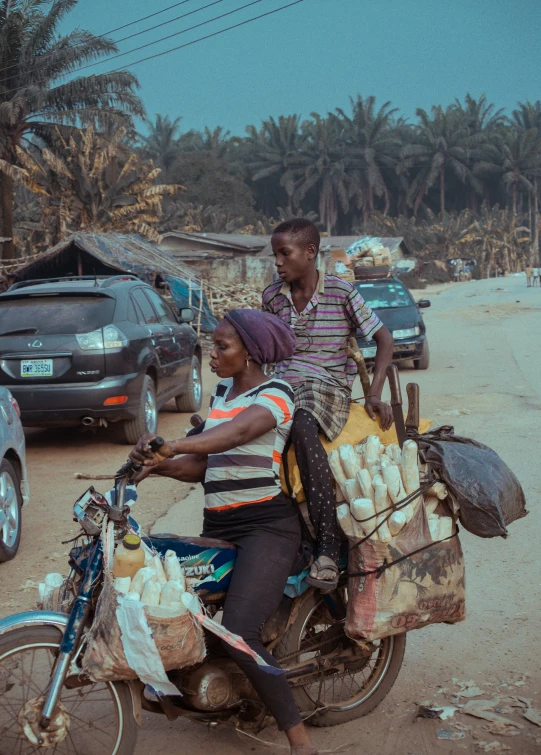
373	405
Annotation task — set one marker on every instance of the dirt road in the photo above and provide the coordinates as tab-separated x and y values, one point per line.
485	380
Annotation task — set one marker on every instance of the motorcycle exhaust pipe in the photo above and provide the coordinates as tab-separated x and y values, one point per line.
88	421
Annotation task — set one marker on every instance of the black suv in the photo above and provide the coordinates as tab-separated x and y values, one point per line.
97	350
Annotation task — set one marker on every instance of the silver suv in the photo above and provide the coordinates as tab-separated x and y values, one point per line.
14	492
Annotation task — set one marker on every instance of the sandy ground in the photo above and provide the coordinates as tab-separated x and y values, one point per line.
484	379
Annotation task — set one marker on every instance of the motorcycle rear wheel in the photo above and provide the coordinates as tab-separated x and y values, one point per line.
100	716
344	696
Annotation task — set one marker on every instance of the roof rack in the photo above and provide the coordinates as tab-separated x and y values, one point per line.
107	280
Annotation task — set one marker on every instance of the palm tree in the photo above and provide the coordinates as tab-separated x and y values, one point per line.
527	116
93	183
277	151
35	96
372	149
325	169
161	143
520	162
479	116
483	123
439	148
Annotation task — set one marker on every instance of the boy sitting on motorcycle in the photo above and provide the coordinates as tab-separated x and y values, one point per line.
324	312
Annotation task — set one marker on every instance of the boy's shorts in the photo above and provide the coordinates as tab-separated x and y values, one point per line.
328	404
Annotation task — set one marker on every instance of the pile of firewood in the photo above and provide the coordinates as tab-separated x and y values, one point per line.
228	296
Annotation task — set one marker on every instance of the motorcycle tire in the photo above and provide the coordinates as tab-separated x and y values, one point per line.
47	639
390	654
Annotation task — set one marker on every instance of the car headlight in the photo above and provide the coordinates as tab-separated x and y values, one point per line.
407	332
109	337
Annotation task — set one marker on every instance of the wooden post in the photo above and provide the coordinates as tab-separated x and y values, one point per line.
200	308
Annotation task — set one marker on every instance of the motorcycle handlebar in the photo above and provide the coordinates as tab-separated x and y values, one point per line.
156	444
130	467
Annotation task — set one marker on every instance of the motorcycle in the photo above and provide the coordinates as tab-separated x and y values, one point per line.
47	703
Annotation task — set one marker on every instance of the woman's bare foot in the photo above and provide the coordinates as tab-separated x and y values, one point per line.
300	741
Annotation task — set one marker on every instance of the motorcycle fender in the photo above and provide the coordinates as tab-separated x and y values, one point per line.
33	618
60	620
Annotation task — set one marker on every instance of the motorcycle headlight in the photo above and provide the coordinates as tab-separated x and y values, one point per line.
407	332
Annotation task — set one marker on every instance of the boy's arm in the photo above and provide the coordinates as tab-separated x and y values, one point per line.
361	316
384	355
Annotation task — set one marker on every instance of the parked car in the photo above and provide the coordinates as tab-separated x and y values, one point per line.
14	492
393	303
97	351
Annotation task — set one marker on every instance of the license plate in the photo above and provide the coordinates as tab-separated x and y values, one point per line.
36	368
369	353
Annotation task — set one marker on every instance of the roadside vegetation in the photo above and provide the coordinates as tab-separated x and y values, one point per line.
458	180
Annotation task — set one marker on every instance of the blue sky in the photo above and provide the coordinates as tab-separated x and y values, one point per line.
313	56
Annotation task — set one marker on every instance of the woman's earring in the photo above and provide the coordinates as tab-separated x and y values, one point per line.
247	363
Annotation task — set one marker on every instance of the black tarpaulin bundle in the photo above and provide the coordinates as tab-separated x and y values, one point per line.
487	492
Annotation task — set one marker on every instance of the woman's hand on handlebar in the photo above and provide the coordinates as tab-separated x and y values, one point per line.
141	474
143	454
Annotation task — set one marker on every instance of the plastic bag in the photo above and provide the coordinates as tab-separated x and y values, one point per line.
486	491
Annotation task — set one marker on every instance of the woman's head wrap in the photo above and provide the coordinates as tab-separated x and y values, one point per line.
266	337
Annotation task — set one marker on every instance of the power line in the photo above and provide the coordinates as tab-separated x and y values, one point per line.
149	44
170	36
208	36
165	23
112	31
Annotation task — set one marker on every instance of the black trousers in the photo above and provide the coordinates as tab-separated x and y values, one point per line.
265	555
316	478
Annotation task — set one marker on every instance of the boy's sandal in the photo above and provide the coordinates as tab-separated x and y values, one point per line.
325	585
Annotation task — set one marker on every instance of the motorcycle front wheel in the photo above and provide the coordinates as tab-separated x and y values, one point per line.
95	719
344	695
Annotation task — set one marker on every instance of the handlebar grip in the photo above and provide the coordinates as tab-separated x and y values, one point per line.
156	444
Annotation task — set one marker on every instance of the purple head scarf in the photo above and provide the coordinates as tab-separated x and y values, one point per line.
266	337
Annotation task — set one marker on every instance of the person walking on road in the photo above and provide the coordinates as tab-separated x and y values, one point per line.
529	273
535	276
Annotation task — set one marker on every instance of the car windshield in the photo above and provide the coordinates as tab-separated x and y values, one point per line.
56	315
385	294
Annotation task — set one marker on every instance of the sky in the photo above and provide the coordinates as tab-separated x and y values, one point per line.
315	55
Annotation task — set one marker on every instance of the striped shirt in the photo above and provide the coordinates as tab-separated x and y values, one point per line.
248	474
333	314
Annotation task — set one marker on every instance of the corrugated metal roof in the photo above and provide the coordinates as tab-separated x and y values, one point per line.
126	253
236	241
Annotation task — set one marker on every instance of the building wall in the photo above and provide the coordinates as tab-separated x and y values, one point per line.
251	270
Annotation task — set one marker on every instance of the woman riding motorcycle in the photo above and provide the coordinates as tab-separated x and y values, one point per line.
237	457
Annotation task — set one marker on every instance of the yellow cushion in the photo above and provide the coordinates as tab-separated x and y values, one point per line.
358	426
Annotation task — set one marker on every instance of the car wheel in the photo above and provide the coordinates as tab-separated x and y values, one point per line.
11	502
424	361
147	415
190	401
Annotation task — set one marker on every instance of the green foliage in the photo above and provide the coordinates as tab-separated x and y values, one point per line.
36	95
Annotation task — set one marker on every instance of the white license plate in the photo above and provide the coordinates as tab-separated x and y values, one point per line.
369	353
36	368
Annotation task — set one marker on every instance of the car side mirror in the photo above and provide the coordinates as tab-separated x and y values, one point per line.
424	303
186	314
